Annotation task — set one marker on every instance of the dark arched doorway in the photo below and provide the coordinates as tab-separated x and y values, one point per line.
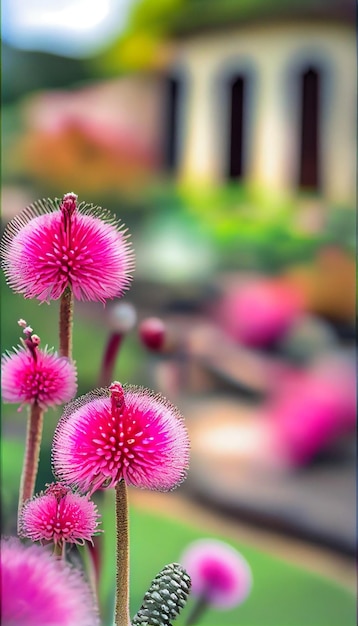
172	88
237	120
309	129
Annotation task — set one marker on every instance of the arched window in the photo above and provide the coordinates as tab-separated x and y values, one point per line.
309	129
237	120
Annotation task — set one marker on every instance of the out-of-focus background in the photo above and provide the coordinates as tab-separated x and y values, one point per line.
223	134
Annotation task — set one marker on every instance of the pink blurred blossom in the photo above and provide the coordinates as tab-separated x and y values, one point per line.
219	574
311	409
127	433
60	516
260	312
29	375
56	244
40	590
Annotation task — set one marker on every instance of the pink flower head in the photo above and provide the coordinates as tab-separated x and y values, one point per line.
60	516
219	574
30	375
119	433
56	244
40	590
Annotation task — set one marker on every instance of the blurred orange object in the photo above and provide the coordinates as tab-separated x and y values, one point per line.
328	284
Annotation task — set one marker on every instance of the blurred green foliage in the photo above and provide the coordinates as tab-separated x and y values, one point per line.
151	24
250	229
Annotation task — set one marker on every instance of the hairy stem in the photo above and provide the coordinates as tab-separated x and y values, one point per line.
66	321
122	574
109	359
32	454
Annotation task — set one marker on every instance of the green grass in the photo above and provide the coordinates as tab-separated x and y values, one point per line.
282	595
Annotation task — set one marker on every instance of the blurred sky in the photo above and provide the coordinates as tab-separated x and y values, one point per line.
74	28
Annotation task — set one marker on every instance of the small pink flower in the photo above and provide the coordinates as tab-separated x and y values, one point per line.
56	244
219	574
127	433
30	375
60	516
40	590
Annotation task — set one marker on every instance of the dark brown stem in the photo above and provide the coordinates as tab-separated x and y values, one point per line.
122	574
66	321
109	359
32	454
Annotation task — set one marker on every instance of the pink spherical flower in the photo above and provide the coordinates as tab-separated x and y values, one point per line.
127	433
60	516
219	574
30	375
55	244
40	590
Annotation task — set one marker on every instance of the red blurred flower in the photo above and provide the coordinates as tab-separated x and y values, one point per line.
152	333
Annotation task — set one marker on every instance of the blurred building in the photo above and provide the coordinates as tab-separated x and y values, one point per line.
267	99
262	93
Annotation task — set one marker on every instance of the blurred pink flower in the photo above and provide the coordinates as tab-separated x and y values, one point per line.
60	516
30	375
260	312
40	590
152	333
127	433
219	574
56	244
312	408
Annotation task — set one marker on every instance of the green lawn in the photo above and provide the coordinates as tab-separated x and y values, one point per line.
282	595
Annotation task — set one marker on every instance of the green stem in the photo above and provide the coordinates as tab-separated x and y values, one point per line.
32	454
122	574
66	322
198	609
59	550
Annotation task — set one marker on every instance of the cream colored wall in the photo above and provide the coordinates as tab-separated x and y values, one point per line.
271	52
